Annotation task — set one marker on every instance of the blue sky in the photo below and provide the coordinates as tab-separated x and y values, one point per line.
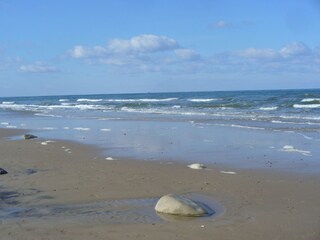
77	47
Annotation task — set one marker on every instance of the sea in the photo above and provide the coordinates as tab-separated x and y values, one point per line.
248	129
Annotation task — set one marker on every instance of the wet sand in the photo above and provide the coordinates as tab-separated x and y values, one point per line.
65	190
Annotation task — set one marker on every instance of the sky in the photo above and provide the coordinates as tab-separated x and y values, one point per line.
58	47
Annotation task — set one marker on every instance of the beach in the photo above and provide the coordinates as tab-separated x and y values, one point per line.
59	189
178	120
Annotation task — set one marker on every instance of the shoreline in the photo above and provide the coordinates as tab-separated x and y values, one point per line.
258	204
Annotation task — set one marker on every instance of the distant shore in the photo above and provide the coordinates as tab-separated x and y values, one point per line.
45	176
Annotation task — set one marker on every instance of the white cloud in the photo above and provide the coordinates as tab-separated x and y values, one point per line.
140	53
187	54
255	53
83	52
38	67
293	57
295	49
78	52
151	53
222	24
291	52
142	44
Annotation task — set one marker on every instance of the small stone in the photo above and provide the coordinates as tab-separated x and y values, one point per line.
29	136
2	171
178	205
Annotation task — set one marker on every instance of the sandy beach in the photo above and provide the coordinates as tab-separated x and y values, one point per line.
65	190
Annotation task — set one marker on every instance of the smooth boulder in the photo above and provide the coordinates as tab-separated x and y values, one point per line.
178	205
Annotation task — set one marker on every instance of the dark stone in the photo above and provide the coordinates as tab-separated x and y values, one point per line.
29	136
2	171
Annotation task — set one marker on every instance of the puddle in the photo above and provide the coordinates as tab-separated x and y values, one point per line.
105	212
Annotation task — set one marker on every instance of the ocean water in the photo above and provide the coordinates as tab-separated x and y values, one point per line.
234	127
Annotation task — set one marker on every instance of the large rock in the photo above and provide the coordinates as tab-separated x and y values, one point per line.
178	205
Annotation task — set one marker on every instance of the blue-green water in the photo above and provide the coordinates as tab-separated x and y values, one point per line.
229	127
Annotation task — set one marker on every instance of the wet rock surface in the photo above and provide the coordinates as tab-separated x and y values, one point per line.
181	206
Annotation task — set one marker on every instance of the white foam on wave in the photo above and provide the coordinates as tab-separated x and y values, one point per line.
48	128
310	100
108	119
300	117
143	100
89	107
202	99
7	103
277	121
17	107
45	108
89	100
63	100
5	123
11	126
296	123
306	105
46	115
289	148
268	108
105	129
161	111
81	129
305	136
246	127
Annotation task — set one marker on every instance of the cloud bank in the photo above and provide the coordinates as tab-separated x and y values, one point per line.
145	52
142	44
38	67
149	53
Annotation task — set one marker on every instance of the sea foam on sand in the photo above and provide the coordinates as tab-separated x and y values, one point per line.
197	166
289	148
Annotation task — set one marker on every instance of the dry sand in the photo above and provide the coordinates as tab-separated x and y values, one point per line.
64	190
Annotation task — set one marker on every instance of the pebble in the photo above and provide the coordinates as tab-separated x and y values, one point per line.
29	136
2	171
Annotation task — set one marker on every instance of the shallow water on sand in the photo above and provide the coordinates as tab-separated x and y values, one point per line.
186	142
109	212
